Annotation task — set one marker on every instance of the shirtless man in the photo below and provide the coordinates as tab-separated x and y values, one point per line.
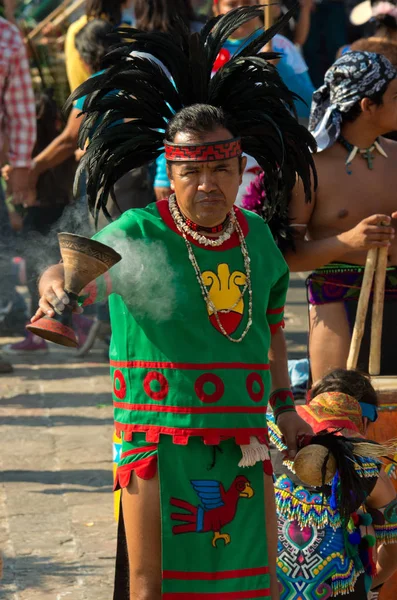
353	206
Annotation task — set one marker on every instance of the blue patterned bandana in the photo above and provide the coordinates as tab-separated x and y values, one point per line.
354	76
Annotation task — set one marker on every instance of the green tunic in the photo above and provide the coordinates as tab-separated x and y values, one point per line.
178	382
173	371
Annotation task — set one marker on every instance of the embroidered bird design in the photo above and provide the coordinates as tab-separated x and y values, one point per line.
218	508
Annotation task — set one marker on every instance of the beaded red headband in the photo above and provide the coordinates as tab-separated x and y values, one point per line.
204	152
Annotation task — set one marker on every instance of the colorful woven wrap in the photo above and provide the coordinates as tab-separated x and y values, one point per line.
332	410
312	559
318	557
338	282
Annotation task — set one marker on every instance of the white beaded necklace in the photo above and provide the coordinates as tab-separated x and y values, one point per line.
183	227
247	266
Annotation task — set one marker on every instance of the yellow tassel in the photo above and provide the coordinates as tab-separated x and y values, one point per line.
366	449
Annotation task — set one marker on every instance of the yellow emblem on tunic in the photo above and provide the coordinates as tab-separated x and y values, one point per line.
224	290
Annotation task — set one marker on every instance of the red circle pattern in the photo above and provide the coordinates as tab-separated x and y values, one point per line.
122	391
251	379
209	378
164	387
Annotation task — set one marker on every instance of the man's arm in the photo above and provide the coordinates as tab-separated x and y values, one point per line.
383	500
302	27
61	148
291	425
372	232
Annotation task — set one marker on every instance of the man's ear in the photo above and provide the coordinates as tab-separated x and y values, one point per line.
368	107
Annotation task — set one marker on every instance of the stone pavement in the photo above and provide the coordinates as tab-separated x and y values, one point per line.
57	532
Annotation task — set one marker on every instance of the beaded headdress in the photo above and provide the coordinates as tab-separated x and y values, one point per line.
151	76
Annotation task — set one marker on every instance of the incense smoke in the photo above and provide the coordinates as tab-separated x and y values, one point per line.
144	276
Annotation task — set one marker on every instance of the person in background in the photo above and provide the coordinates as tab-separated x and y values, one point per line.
18	127
298	28
164	15
310	523
353	208
116	12
92	43
291	66
328	33
382	16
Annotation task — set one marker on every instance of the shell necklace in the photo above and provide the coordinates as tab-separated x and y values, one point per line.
184	228
366	153
205	293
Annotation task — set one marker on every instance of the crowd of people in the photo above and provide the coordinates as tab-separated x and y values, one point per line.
271	146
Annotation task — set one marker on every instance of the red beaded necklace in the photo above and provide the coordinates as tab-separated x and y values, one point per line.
217	229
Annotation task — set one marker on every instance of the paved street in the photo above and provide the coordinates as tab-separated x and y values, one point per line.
57	531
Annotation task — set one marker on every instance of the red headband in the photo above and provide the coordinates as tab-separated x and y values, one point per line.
204	152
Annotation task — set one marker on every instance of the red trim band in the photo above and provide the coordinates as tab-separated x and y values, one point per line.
222	150
246	595
276	326
194	410
147	364
181	435
215	576
145	468
138	451
275	311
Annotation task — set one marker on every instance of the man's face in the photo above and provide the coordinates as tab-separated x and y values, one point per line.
206	191
224	6
384	116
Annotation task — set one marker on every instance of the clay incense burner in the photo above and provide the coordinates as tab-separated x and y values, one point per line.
84	260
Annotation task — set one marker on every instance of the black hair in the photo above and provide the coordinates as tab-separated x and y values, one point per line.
93	42
355	111
162	15
111	9
351	382
199	119
385	25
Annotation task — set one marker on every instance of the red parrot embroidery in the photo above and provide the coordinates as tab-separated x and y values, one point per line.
218	507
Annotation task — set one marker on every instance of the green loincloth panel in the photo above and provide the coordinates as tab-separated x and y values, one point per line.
201	489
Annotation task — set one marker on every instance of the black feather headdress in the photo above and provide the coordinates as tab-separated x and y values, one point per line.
149	77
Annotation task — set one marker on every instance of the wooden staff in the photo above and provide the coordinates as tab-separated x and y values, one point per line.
362	308
377	312
67	12
39	28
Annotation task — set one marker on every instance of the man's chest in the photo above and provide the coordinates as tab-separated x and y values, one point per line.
343	199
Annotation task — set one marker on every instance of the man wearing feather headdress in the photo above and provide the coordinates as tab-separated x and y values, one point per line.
353	208
197	306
